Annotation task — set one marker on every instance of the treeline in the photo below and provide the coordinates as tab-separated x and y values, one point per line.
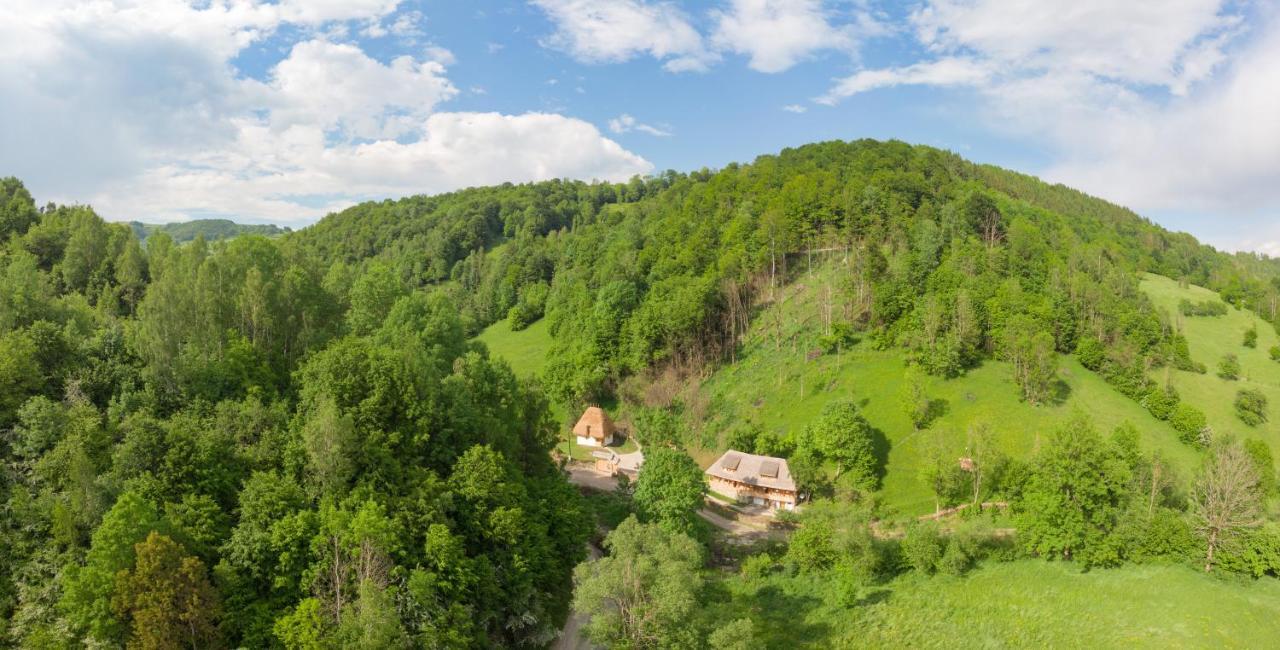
208	229
235	445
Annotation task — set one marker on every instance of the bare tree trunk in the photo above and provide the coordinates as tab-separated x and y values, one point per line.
1213	542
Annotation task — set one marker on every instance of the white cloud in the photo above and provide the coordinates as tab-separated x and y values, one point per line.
337	86
610	31
1163	43
135	106
1167	107
774	35
624	123
1212	152
777	34
795	108
291	176
943	72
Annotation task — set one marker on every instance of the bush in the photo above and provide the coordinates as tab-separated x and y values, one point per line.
1164	536
1251	407
811	547
1251	337
1274	352
1161	401
1260	452
923	547
758	565
1257	553
1229	367
1188	421
530	306
841	338
1091	353
1202	308
958	558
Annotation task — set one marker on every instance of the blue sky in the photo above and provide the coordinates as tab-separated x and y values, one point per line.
281	111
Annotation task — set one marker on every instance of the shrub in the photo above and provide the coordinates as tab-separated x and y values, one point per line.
842	337
1188	421
530	306
1091	353
1251	337
1260	452
1161	401
758	565
1229	367
1251	407
923	547
957	559
1274	352
1164	536
1256	553
811	547
1202	308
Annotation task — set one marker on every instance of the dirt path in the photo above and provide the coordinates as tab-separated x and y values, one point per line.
587	476
571	635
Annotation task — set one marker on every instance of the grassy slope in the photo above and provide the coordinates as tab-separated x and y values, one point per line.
1028	603
751	390
1209	339
525	350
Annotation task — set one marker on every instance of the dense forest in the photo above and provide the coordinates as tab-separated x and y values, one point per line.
208	229
293	441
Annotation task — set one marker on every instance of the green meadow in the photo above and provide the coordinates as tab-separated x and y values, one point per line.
1210	338
1027	603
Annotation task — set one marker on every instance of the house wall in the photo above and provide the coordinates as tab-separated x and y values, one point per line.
747	493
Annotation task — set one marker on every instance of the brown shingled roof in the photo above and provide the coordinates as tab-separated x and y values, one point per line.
594	423
751	469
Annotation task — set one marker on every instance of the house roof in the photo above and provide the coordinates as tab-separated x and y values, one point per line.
762	471
594	423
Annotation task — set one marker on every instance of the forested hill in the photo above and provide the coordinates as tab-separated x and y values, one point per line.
209	229
295	441
948	258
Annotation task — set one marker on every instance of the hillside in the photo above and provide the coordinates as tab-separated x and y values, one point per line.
210	229
1020	604
1210	338
783	388
309	438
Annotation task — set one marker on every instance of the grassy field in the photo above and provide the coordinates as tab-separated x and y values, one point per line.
525	350
782	389
1209	339
1028	603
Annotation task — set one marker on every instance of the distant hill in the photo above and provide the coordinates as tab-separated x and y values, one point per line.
211	229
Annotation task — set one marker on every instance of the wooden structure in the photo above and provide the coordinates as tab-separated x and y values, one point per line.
594	428
758	480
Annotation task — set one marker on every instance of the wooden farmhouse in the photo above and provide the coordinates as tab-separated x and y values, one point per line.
758	480
594	428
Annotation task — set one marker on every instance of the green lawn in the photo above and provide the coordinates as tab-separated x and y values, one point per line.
1209	339
525	350
782	390
1028	603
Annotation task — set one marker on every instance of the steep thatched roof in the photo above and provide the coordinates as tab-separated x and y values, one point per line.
594	423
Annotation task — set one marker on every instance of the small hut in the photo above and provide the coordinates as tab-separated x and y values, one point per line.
594	428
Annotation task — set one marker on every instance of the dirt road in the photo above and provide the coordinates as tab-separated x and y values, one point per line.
571	636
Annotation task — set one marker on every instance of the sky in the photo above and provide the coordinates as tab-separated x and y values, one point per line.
283	111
